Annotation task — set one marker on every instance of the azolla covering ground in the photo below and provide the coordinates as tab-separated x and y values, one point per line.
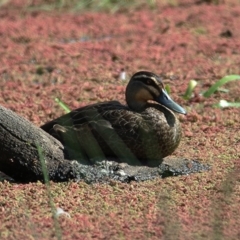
78	57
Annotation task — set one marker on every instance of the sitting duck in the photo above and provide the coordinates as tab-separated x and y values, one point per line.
141	133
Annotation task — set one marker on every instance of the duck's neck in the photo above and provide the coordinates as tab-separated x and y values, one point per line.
135	99
137	106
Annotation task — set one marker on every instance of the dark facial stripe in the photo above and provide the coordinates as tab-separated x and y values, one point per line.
144	77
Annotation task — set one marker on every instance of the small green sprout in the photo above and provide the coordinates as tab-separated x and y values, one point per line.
62	105
188	94
225	104
219	83
167	88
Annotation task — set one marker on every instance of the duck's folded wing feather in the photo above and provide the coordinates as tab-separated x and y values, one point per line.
82	115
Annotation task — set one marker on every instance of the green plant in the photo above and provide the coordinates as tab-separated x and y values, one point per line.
189	92
91	5
62	105
215	87
224	104
49	194
219	83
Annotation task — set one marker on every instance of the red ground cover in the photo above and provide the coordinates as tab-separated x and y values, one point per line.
78	57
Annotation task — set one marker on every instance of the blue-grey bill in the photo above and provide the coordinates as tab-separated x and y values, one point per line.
166	101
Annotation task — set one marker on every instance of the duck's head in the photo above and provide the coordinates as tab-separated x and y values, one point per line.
144	86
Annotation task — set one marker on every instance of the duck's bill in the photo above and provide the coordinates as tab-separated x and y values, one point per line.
166	101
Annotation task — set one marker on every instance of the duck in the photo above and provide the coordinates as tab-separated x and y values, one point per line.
142	132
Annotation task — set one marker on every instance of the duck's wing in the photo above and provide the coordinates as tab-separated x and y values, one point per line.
83	115
96	130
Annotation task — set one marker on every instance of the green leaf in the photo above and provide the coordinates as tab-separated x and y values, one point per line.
225	104
219	83
168	89
62	105
188	94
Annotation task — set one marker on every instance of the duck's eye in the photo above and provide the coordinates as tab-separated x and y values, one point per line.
149	81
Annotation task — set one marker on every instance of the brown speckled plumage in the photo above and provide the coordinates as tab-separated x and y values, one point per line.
141	133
